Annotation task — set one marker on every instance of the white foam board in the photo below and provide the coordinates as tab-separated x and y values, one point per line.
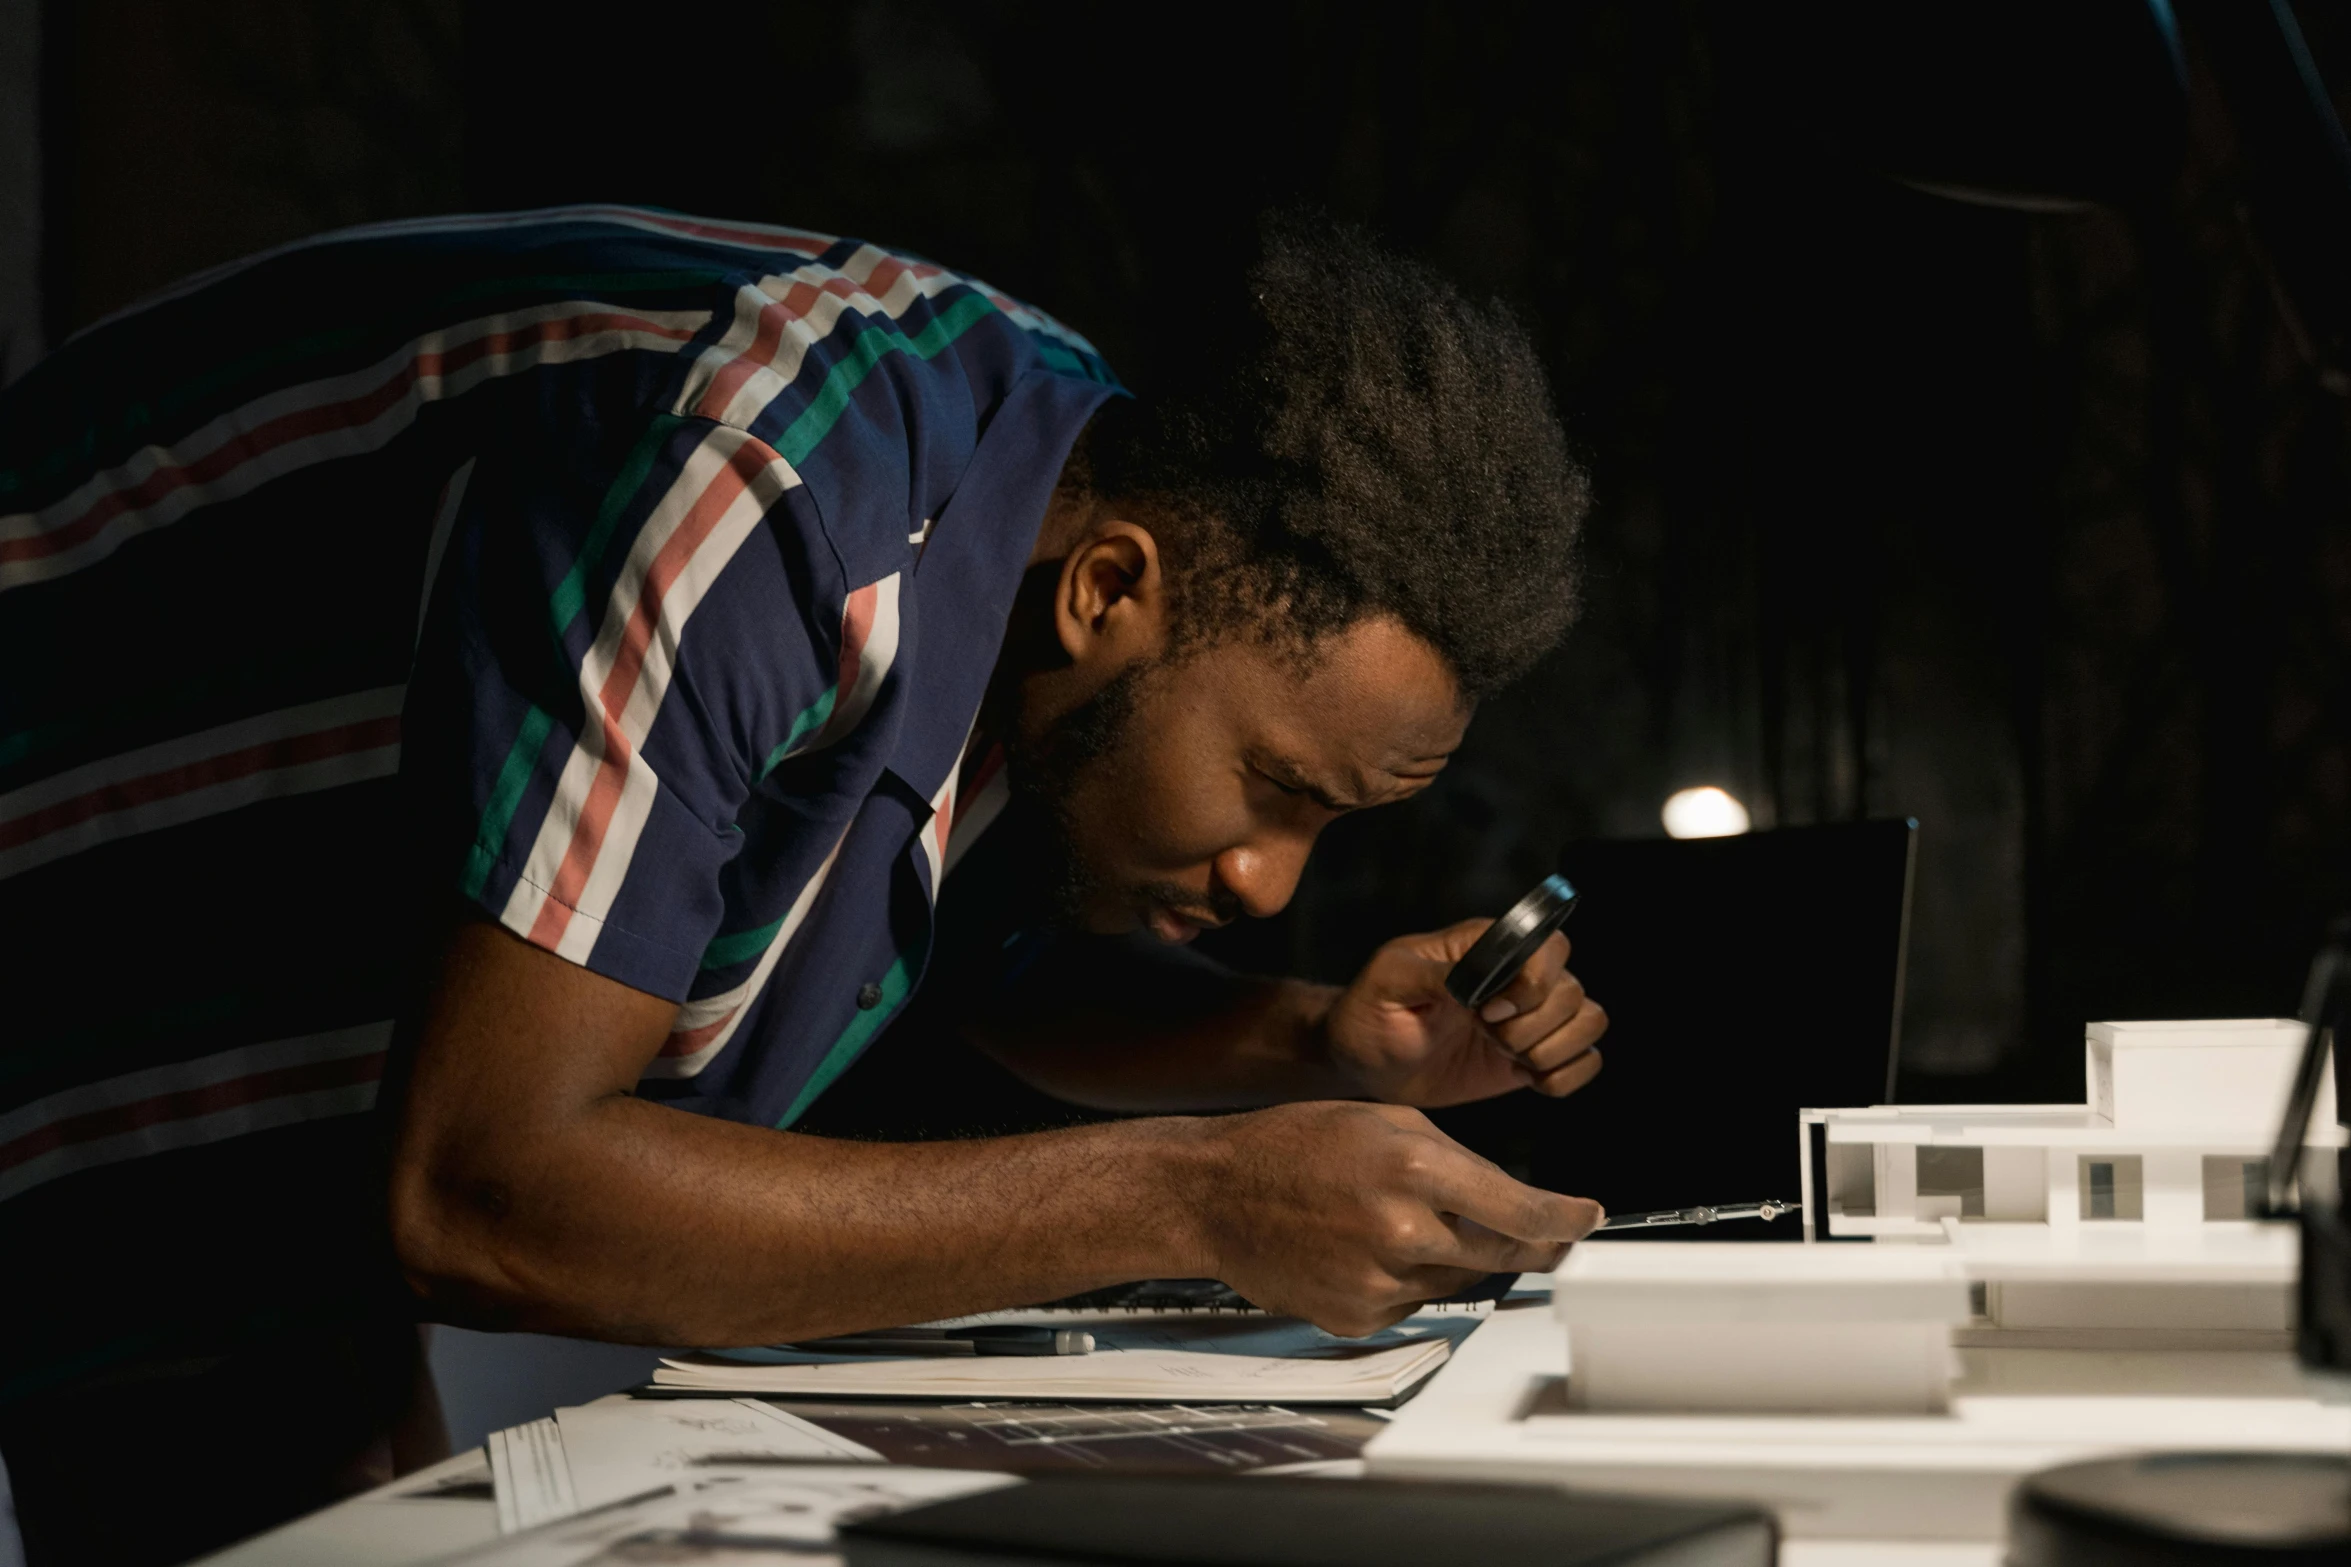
1499	1411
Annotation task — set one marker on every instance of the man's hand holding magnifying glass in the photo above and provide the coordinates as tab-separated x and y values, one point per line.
1474	1010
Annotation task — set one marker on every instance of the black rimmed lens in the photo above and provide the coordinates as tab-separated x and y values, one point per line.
1507	944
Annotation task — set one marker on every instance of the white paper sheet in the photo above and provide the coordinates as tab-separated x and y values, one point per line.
622	1446
530	1475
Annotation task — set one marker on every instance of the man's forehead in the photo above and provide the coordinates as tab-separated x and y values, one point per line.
1377	675
1364	719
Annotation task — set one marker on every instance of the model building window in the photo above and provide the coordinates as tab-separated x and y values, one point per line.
1950	1182
2234	1186
1853	1182
2112	1187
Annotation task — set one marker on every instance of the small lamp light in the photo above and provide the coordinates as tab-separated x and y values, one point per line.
1705	812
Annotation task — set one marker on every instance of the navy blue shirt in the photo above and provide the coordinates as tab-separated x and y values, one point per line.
632	576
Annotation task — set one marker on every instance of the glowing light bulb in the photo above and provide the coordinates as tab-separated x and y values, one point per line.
1703	813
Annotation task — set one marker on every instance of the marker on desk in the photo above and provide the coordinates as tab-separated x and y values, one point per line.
998	1339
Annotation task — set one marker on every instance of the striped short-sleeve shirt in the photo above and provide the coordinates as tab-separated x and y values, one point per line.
634	577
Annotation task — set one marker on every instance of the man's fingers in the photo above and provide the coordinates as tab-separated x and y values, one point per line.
1358	1320
1437	1281
1533	985
1477	1247
1450	945
1487	1196
1562	1005
1581	1030
1402	974
1405	1289
1561	1081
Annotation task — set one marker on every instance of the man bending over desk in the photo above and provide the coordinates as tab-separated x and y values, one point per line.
546	666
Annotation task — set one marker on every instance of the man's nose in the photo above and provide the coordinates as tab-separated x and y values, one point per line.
1263	873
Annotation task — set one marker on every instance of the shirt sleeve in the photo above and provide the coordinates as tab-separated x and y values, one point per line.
625	633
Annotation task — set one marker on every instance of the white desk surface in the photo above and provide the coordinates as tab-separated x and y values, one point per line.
405	1525
393	1527
1847	1486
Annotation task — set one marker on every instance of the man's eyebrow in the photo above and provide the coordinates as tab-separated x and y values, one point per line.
1366	797
1291	776
1358	798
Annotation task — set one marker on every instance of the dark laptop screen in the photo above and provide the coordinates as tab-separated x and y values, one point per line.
1744	978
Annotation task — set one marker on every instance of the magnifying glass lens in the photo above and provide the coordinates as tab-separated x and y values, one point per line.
1503	950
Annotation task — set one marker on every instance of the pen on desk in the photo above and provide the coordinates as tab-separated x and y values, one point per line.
1770	1209
996	1339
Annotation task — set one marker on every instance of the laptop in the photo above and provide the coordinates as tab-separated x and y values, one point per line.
1745	978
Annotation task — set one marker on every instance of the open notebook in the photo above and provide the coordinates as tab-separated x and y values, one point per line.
1190	1297
1137	1359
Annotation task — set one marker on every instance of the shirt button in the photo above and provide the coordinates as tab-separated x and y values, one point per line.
869	996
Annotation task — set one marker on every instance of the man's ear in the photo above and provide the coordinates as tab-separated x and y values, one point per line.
1110	606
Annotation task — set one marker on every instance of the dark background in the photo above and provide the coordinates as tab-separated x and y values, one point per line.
2034	526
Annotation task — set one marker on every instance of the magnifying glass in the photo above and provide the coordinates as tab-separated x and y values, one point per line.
1484	971
1486	968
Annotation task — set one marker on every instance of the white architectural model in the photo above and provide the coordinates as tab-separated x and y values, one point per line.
2135	1212
2089	1268
1728	1325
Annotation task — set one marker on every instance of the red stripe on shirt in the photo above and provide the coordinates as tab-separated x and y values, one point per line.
686	1041
857	618
775	318
269	756
976	777
745	464
186	1104
305	423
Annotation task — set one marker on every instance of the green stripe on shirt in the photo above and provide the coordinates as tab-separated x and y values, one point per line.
571	594
824	410
505	798
742	946
895	986
799	439
811	719
564	606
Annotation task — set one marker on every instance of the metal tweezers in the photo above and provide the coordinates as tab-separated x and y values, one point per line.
1768	1209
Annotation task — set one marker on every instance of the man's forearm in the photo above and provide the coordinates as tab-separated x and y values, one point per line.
643	1223
532	1188
1139	1029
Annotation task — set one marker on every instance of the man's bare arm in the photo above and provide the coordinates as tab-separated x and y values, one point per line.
1129	1024
532	1189
1126	1025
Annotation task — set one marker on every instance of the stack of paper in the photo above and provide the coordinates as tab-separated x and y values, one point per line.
1337	1373
617	1448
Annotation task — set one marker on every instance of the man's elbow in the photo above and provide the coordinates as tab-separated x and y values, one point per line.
448	1238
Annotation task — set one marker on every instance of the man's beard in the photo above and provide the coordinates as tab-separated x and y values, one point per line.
1047	775
1050	774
